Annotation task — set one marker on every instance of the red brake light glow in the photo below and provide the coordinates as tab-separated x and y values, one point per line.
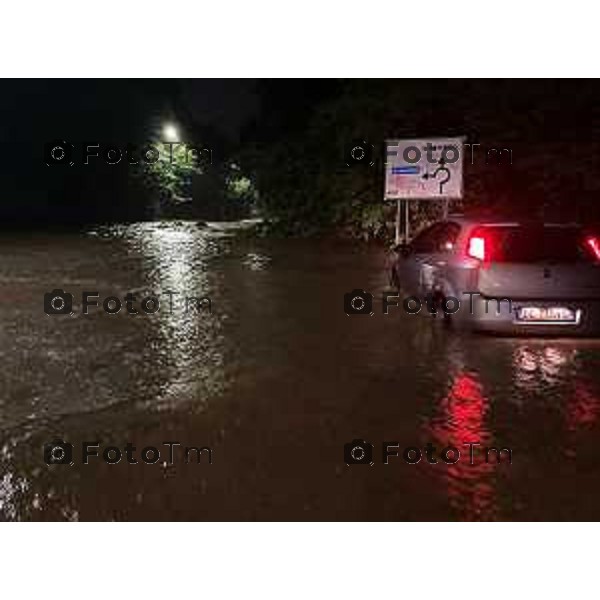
482	245
593	244
476	247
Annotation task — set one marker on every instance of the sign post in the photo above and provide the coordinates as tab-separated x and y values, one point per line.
422	169
398	220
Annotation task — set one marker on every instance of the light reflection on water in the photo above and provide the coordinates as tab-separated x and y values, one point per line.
10	489
536	365
275	369
461	419
583	407
188	340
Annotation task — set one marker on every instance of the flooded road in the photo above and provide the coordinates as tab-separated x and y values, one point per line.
275	380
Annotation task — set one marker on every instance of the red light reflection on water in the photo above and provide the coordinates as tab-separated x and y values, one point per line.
583	407
581	414
460	419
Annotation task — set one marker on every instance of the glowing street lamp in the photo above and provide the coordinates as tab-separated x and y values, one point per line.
170	133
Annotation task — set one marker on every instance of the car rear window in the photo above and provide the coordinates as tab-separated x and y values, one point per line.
535	244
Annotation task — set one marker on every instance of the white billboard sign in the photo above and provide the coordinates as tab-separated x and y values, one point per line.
424	169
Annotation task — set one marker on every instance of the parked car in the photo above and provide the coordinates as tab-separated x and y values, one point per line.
510	276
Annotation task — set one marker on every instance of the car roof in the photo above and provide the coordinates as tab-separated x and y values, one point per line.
485	218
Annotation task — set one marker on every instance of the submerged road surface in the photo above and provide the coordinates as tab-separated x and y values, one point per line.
264	375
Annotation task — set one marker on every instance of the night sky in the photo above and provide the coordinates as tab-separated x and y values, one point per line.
229	114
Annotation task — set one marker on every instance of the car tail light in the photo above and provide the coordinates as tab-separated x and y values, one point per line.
476	247
592	244
479	246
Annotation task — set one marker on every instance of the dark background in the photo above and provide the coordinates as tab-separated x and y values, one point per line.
288	136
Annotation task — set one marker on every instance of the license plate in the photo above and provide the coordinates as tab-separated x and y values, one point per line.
547	314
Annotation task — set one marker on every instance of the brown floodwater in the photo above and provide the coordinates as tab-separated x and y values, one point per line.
275	380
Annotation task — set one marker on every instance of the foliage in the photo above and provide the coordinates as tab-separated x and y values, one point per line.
173	171
185	184
306	188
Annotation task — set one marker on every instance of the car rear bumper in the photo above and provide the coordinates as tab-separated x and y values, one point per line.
489	315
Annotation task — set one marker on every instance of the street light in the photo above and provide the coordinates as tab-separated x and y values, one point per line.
170	133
